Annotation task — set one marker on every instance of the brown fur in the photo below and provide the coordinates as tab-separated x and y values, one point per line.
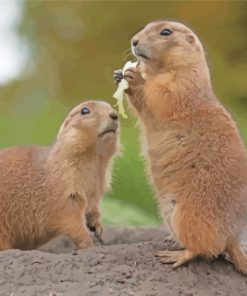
197	159
47	191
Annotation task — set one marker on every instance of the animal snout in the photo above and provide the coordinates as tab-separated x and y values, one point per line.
135	42
113	115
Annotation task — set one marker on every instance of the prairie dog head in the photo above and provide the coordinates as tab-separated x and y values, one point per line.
90	125
166	45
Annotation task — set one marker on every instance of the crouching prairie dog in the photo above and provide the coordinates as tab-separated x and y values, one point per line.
47	191
196	157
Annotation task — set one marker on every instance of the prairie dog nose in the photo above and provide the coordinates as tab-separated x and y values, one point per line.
113	115
135	42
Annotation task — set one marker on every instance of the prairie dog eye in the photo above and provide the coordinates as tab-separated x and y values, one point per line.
166	32
85	111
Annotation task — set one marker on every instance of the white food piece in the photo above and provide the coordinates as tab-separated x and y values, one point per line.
122	86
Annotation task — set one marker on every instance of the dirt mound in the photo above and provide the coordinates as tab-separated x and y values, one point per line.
125	266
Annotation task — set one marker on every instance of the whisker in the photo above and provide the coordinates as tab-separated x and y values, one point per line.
127	56
126	51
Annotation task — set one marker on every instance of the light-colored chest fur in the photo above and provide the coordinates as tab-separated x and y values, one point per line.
86	180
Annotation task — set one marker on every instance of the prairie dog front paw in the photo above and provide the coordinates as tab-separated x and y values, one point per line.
134	77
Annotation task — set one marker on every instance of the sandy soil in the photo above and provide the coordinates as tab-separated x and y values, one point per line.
124	266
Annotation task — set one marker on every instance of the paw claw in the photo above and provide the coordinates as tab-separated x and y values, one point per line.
176	265
160	253
118	76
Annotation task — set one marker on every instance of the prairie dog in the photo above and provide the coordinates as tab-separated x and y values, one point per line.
47	191
196	157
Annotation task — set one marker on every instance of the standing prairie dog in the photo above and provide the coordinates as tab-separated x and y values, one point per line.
197	159
47	191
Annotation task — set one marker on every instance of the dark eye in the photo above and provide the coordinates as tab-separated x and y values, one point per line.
166	32
85	111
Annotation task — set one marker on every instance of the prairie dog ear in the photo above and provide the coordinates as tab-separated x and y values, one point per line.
191	39
62	127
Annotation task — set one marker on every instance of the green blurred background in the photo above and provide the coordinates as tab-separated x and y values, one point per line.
70	50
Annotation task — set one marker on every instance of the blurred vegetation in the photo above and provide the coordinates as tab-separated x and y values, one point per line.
74	48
